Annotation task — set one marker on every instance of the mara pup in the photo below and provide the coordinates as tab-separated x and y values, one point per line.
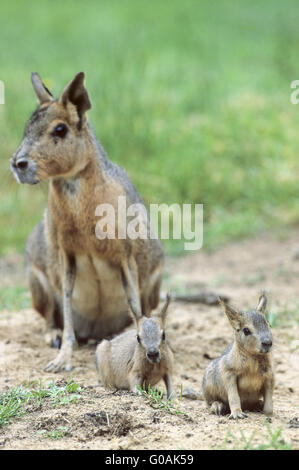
243	374
80	277
137	357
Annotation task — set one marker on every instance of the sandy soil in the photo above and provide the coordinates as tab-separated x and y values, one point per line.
106	420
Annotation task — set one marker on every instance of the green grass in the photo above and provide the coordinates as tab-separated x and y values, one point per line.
284	316
191	98
57	395
14	298
156	400
271	440
13	402
59	433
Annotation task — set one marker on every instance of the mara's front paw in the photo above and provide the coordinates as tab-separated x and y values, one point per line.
268	411
237	414
63	361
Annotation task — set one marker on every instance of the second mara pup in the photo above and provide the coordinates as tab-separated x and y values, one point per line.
244	373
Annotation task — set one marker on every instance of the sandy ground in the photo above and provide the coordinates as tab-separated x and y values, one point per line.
106	420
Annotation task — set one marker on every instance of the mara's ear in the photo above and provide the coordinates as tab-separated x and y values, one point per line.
163	312
262	304
234	316
41	91
75	93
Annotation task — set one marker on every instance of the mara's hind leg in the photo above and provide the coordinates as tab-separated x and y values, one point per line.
43	299
102	358
44	302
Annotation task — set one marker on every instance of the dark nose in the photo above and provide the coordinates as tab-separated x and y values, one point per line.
267	344
22	164
153	355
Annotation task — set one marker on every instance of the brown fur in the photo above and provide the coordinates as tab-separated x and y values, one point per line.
123	362
79	282
244	373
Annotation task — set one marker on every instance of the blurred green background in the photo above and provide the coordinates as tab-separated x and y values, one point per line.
192	98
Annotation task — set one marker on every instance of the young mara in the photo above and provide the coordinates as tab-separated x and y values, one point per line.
139	357
243	374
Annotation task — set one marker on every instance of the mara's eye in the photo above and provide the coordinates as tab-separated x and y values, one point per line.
60	131
163	336
138	338
246	331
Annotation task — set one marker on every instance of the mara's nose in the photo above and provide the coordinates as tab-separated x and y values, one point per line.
22	164
153	355
267	344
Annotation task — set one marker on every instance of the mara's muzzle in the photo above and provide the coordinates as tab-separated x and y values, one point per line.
23	169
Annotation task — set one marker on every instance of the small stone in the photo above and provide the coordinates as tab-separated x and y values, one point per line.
207	356
191	394
294	423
